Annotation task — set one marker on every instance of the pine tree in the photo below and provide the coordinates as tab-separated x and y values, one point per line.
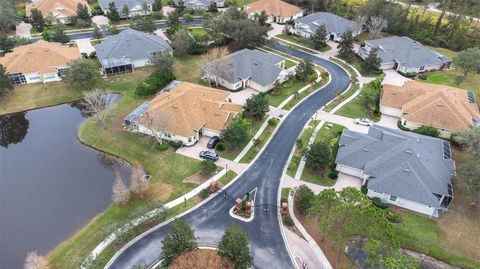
345	46
38	22
372	62
320	37
112	12
180	239
234	246
5	83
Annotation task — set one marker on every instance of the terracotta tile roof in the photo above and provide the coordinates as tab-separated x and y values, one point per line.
273	7
59	8
40	56
188	107
435	105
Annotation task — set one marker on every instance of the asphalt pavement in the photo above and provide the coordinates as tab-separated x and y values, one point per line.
211	218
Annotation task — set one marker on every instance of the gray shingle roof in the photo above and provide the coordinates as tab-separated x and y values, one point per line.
200	3
131	44
119	3
333	23
399	163
257	65
406	51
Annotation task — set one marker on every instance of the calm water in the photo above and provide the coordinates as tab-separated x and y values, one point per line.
50	184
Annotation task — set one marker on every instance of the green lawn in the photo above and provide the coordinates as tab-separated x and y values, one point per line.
226	179
348	68
252	153
446	52
289	87
188	68
342	98
303	41
289	63
472	82
300	146
356	108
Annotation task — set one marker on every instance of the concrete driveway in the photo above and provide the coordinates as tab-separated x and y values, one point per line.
394	78
388	121
349	123
23	30
343	181
194	151
85	46
100	20
277	29
160	33
240	97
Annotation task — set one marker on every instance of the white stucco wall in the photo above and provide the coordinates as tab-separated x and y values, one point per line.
349	170
187	141
404	203
444	133
45	78
391	111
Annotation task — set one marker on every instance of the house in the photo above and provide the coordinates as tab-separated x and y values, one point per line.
336	26
251	68
401	168
404	55
418	104
40	61
184	111
59	10
276	10
128	50
199	4
135	7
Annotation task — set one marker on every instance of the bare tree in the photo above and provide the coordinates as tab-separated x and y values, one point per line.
156	124
376	25
138	181
217	65
97	102
120	190
35	261
361	22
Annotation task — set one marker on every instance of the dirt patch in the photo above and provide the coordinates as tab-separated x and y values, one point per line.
201	259
196	178
158	191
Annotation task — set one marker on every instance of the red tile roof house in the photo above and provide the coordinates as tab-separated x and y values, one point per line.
276	10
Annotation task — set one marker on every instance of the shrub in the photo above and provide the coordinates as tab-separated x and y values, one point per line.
427	130
299	143
394	217
153	84
364	189
303	197
287	220
176	144
422	76
162	146
333	175
401	127
220	147
272	122
207	167
408	74
378	203
204	193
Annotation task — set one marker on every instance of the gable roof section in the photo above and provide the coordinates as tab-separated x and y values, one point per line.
59	8
120	3
406	51
273	8
131	44
40	56
188	107
200	3
258	66
434	105
333	23
399	163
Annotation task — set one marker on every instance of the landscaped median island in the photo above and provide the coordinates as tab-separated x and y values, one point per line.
260	141
300	145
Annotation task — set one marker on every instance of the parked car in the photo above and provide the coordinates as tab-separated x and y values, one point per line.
206	154
213	142
364	122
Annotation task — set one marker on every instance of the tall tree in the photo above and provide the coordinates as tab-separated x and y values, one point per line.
262	18
144	24
320	37
138	180
59	35
216	65
345	46
304	69
162	64
235	135
179	239
97	102
83	74
8	16
234	246
157	5
120	191
182	42
372	62
303	198
317	156
376	25
5	83
82	12
97	33
212	8
38	22
256	106
112	12
35	261
6	43
471	140
468	60
322	205
125	11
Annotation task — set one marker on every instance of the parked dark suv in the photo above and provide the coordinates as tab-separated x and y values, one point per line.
206	154
213	142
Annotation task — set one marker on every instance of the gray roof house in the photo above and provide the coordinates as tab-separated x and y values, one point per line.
129	49
405	55
200	4
135	6
335	25
254	69
401	168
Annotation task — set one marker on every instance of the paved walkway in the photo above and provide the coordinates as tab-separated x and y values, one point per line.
23	30
100	20
240	97
277	112
349	123
85	46
160	33
277	29
301	251
394	78
343	181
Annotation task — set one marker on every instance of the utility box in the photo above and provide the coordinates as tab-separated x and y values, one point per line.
213	187
284	210
238	203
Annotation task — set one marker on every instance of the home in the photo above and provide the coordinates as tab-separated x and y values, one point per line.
199	4
401	168
418	104
336	26
128	50
135	7
59	10
184	111
404	55
249	68
40	61
276	10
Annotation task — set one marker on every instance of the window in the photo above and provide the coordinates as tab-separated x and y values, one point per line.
393	198
422	67
49	76
18	78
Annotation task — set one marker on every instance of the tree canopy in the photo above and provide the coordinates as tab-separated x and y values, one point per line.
234	246
182	42
179	239
112	12
5	83
345	46
319	38
256	106
468	60
318	156
83	74
38	22
304	69
235	134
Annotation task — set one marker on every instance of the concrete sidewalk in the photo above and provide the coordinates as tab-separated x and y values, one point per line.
85	46
301	251
343	181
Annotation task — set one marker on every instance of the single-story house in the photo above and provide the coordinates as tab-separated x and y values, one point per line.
336	26
418	104
199	4
135	7
184	111
60	10
40	61
128	50
276	10
404	55
251	68
401	168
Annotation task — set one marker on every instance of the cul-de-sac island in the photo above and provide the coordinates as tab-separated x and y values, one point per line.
239	134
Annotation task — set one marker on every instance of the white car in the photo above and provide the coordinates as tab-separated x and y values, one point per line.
364	122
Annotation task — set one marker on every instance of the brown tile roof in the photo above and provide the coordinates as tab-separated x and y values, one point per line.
59	8
40	56
188	107
435	105
273	7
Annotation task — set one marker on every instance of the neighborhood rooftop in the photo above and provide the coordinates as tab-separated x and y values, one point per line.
332	22
59	8
200	3
403	164
434	105
120	3
406	51
273	8
40	56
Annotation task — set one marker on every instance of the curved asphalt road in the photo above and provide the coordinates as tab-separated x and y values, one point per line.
210	220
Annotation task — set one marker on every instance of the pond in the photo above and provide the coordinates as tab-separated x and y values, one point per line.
50	184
